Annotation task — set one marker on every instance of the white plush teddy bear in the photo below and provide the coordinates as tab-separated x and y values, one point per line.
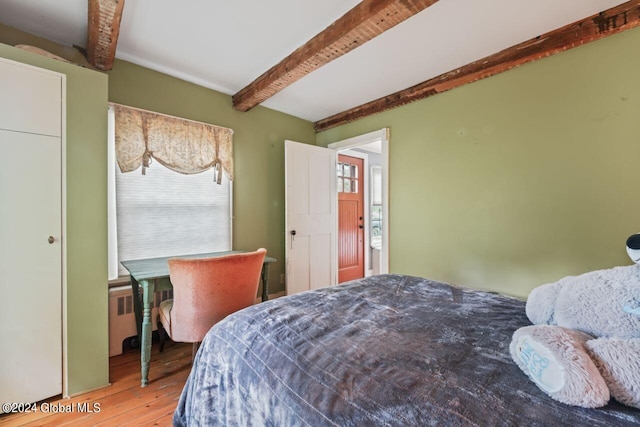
584	346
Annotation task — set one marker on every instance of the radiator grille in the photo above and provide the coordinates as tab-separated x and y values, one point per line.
161	296
125	305
122	319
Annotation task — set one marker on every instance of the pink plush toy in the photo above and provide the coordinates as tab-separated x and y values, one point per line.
584	346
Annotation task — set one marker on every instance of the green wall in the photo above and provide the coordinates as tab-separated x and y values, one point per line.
86	212
258	143
521	178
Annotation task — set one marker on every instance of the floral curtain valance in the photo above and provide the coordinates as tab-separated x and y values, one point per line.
181	145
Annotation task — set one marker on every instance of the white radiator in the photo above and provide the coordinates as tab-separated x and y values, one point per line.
122	319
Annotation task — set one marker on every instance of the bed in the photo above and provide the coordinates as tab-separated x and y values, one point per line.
385	350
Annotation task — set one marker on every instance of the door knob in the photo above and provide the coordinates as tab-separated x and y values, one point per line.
293	235
51	240
361	226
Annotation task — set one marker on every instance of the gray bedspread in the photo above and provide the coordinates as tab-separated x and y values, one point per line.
385	350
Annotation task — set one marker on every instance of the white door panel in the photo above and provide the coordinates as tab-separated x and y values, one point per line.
321	256
310	213
35	103
322	171
299	273
297	181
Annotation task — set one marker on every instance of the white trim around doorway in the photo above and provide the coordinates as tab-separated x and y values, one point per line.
380	136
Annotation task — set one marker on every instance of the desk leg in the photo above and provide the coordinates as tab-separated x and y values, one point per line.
148	293
265	281
137	307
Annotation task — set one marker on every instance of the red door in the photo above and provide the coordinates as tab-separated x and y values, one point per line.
350	177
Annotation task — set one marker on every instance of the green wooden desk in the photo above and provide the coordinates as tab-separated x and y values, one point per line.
151	275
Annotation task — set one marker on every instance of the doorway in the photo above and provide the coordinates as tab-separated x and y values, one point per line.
311	223
373	149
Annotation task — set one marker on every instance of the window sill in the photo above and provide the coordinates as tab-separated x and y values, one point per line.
120	281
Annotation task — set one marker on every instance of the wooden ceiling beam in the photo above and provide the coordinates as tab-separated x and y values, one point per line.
365	21
104	29
595	27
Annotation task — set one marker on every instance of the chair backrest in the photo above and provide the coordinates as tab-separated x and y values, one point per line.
206	290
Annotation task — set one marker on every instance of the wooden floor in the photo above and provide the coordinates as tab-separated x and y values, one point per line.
124	403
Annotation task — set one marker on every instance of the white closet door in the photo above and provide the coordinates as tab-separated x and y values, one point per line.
30	262
30	267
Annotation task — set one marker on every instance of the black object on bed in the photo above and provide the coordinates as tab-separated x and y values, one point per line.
385	350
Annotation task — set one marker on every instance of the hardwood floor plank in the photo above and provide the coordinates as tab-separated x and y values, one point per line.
163	421
150	411
131	404
124	402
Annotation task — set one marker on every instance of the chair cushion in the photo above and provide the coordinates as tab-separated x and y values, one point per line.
165	315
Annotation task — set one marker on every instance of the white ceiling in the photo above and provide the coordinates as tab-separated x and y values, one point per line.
225	45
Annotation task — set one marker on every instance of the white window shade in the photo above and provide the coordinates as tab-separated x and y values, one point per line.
165	213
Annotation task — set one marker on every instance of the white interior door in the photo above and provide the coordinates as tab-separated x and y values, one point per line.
30	212
310	217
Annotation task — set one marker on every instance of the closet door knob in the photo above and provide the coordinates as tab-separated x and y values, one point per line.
51	240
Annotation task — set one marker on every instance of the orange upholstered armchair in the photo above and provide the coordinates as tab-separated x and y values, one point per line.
206	290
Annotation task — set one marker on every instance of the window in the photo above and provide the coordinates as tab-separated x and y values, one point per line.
376	206
348	178
164	213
